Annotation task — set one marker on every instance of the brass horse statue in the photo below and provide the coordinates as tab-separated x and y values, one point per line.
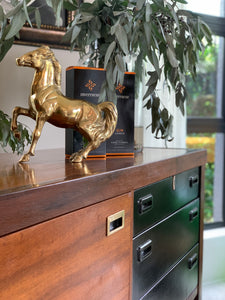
47	104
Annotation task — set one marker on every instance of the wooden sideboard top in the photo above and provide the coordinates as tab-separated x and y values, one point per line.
49	185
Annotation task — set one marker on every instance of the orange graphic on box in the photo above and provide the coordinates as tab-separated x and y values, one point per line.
120	88
90	85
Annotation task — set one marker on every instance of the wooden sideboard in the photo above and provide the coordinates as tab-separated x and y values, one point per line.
61	224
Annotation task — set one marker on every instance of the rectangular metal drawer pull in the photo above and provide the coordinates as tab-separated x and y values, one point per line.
193	214
193	180
192	261
115	222
145	204
144	250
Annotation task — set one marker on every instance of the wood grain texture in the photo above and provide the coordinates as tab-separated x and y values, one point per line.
51	186
70	257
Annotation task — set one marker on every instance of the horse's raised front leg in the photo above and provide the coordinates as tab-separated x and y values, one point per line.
40	121
16	112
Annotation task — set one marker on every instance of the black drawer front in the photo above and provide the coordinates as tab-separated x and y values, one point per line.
156	201
157	249
180	282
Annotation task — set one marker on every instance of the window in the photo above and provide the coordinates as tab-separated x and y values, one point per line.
206	110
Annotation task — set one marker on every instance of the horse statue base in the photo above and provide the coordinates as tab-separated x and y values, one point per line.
47	104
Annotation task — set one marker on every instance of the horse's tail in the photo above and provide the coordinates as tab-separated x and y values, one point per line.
110	118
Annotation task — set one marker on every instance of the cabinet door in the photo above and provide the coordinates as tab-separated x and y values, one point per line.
70	257
158	249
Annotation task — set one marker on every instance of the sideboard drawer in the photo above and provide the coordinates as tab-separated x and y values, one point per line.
159	248
154	202
180	282
71	257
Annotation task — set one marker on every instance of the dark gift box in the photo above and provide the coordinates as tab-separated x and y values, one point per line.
85	84
122	140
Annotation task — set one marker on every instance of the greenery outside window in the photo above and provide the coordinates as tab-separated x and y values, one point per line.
206	111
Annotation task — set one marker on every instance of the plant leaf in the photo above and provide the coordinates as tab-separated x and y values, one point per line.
2	15
150	90
206	30
15	10
70	5
109	76
172	57
67	36
26	12
38	18
148	33
109	53
7	137
85	18
49	3
148	12
155	61
155	114
164	114
120	63
182	1
5	46
17	23
75	33
161	29
148	105
115	27
173	13
140	4
121	36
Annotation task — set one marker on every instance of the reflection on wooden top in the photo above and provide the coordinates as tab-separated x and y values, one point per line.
50	166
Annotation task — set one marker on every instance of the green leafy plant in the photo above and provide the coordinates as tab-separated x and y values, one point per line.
201	92
8	139
162	40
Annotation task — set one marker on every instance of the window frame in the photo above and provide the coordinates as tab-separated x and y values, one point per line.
212	125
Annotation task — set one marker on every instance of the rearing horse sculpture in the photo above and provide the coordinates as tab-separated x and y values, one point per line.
47	104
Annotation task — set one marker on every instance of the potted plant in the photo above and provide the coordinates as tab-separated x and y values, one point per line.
161	39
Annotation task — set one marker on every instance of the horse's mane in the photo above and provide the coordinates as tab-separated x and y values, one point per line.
48	54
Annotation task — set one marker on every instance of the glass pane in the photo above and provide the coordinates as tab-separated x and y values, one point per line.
214	143
214	8
204	93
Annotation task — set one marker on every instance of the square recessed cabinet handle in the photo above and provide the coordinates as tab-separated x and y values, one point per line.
144	251
145	204
193	214
115	222
192	261
193	180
